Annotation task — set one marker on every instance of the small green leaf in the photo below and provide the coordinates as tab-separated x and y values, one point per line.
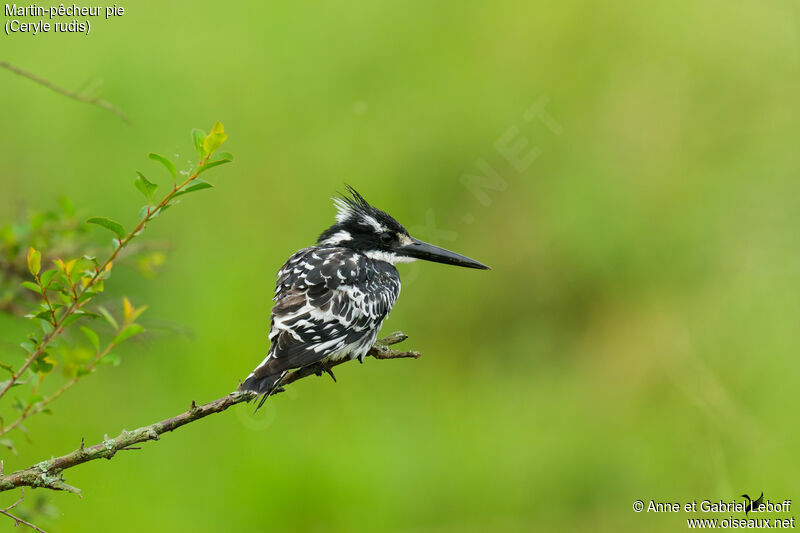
82	371
212	164
169	165
34	261
128	332
47	277
42	364
28	346
92	336
32	286
198	185
225	155
145	186
45	365
214	139
18	404
44	315
74	317
109	224
110	359
7	367
108	316
46	326
198	136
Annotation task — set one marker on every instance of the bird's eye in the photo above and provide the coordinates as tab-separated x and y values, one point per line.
386	237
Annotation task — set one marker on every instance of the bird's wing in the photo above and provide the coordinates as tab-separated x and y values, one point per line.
327	299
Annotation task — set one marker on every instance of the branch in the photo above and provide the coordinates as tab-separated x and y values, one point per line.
100	273
47	474
30	410
66	92
17	520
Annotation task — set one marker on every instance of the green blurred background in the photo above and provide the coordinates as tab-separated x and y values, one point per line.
636	338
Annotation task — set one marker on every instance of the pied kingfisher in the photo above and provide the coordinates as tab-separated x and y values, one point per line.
331	298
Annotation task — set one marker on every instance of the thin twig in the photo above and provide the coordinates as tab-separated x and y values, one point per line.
47	473
17	520
66	92
32	409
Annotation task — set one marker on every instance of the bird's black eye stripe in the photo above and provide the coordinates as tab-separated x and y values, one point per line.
386	237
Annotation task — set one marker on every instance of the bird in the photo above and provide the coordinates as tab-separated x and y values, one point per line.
753	505
331	298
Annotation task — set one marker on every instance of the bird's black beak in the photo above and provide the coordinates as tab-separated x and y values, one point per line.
429	252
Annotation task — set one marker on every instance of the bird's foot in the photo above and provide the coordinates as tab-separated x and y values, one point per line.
321	367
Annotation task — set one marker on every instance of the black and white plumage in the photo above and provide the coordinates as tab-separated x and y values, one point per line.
331	298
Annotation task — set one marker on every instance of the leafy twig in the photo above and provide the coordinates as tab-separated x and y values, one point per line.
66	92
48	473
32	409
101	271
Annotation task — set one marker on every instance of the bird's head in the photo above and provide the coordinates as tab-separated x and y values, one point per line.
378	235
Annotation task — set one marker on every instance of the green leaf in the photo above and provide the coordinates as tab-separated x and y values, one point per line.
225	155
110	359
47	277
198	136
31	286
46	326
214	139
18	404
169	165
72	318
109	224
212	164
45	365
92	336
198	185
108	316
145	186
34	261
7	367
45	315
28	347
128	332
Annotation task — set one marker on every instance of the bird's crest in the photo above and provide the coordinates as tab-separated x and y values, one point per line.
351	204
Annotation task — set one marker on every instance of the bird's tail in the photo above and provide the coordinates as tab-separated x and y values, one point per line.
262	384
